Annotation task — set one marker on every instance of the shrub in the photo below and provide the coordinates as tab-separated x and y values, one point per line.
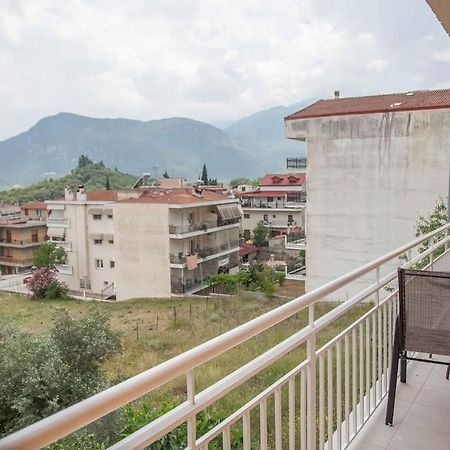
49	255
44	284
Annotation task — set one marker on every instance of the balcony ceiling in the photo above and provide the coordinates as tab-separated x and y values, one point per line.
442	10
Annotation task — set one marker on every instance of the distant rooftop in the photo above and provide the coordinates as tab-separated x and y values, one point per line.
283	179
34	205
406	101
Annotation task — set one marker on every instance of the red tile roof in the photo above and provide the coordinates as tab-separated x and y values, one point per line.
34	205
176	196
103	196
406	101
285	179
246	249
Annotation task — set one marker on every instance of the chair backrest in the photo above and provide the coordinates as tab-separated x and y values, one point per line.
424	311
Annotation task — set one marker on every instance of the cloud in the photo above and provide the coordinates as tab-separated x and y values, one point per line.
207	59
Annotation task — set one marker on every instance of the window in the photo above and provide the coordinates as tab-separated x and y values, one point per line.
269	199
110	216
98	241
99	263
97	217
110	241
247	235
112	264
246	216
265	217
290	218
26	212
274	216
34	236
85	283
105	283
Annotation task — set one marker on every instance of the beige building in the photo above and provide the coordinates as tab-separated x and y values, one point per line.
278	203
374	165
149	242
19	240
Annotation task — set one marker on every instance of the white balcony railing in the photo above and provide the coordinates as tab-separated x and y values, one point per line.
65	269
329	395
58	222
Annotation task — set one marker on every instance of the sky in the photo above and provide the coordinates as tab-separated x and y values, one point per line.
211	60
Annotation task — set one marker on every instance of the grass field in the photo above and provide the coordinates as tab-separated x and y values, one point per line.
156	330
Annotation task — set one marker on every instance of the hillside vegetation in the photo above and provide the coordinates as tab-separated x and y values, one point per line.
94	176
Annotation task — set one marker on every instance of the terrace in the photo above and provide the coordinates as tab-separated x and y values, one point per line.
333	398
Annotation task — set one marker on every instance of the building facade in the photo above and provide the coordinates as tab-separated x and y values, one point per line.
19	240
374	165
278	203
151	242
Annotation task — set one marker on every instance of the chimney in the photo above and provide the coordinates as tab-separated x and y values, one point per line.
336	95
81	195
68	194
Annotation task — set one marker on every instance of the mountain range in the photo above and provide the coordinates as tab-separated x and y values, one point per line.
247	147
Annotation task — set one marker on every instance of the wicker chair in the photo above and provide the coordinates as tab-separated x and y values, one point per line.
423	324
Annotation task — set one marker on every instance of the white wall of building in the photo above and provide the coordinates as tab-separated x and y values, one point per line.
141	243
369	178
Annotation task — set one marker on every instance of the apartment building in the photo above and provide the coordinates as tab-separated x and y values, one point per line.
19	240
34	210
147	242
278	203
374	165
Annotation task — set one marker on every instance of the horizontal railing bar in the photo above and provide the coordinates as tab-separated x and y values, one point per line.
81	414
231	419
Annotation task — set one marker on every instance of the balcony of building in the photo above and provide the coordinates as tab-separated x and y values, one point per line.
296	163
6	260
58	222
191	222
204	227
332	397
261	200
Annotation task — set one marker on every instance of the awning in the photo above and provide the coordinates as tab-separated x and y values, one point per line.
107	211
230	211
95	211
108	237
96	236
55	232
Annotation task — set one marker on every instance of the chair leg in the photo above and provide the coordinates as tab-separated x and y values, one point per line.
403	368
393	377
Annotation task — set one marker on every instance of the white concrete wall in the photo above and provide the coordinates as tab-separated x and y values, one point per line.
369	178
141	243
257	214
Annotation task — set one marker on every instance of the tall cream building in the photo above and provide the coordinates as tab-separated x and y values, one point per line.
149	242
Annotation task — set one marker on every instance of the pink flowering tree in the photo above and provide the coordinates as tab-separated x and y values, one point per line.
45	284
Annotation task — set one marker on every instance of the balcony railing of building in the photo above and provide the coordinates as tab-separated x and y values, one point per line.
58	222
205	252
277	204
327	396
296	163
67	246
278	223
65	269
201	226
9	260
19	242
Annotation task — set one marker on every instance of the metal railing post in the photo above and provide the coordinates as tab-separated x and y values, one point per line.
311	384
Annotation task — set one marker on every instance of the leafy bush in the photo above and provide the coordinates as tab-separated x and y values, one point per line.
40	375
45	284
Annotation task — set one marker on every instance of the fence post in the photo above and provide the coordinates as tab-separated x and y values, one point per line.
311	384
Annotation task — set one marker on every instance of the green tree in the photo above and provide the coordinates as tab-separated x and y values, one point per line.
204	177
107	184
40	375
260	235
84	161
49	255
437	218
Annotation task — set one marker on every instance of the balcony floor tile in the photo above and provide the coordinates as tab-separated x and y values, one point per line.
421	415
